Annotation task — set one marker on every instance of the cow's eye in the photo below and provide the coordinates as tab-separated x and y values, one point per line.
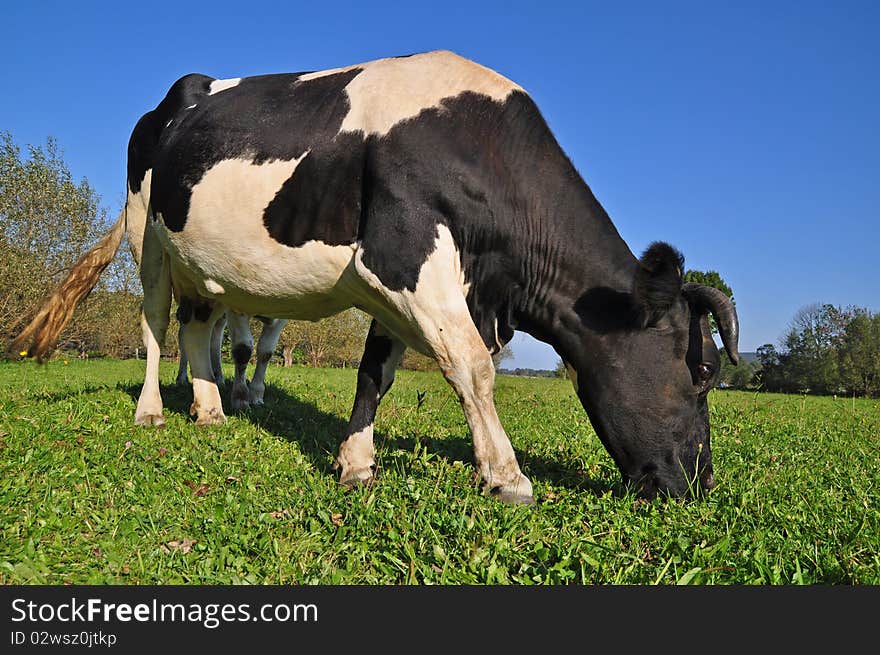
705	371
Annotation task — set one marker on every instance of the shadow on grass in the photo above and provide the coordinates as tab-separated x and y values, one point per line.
73	392
318	433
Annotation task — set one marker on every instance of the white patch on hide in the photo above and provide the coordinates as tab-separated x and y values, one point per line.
136	216
434	319
224	240
572	375
438	295
389	91
497	340
305	77
213	287
221	85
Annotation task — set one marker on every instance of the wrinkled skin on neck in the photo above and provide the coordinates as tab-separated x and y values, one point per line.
645	390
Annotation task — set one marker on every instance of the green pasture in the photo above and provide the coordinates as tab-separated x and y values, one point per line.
88	498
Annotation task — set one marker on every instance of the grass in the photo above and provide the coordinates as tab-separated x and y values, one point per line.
88	498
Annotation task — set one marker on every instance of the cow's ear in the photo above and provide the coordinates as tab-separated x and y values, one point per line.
658	281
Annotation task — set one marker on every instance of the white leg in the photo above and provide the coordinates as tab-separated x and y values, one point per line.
156	282
206	407
265	349
149	407
467	366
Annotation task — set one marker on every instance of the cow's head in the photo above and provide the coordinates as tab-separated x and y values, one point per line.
644	369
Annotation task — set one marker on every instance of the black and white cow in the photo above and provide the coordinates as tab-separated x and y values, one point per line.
244	393
429	192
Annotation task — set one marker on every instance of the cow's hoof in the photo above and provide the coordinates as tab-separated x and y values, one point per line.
146	420
239	404
240	397
516	493
358	477
213	416
255	393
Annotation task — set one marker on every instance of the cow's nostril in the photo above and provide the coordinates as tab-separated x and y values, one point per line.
708	482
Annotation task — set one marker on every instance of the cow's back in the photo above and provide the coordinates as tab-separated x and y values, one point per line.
324	120
144	141
294	170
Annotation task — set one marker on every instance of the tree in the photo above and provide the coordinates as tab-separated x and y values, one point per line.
770	374
710	279
859	354
826	350
337	340
46	222
560	371
811	343
416	361
290	340
502	355
740	376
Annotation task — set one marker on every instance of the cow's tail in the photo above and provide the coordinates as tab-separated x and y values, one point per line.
40	337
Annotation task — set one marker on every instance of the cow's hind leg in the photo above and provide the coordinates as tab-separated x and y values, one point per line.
242	340
183	364
217	347
265	349
382	355
155	276
149	407
198	327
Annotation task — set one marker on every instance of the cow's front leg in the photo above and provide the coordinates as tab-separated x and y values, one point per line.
434	318
265	349
382	355
242	346
467	366
196	338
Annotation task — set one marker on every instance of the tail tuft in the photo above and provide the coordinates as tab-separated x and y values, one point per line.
40	337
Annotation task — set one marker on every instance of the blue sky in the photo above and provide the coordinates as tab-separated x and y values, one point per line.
746	134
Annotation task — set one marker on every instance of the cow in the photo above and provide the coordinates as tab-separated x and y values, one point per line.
244	393
217	334
429	192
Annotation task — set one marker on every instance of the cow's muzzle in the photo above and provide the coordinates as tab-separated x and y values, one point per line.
651	485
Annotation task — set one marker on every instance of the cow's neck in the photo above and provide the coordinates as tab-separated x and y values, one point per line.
575	265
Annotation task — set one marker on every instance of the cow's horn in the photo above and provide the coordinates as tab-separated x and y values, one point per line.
717	302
